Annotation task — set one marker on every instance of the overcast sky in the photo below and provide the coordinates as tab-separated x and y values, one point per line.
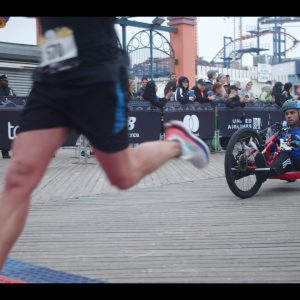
211	31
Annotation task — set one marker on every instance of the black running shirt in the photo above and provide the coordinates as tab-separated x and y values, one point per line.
79	49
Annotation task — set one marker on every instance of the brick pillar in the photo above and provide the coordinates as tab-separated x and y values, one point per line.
38	30
184	43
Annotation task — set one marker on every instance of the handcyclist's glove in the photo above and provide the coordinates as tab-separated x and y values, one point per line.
295	143
295	140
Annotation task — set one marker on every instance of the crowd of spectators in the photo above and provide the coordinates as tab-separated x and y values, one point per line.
215	89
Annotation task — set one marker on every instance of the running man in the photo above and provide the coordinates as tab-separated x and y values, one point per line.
81	84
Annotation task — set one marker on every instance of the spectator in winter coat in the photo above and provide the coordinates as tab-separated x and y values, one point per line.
200	92
131	90
277	93
141	90
5	90
150	95
265	95
245	93
182	91
217	94
211	79
171	85
233	98
287	90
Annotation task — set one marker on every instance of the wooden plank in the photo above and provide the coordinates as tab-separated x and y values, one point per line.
179	224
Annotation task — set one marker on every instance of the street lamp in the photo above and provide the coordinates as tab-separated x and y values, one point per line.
158	21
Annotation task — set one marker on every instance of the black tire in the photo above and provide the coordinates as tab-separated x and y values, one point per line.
243	145
291	180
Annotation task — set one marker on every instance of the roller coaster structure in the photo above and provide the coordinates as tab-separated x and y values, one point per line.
277	31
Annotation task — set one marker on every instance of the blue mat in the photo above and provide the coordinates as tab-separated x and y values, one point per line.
34	274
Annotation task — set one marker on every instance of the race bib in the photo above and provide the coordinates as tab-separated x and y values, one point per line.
57	46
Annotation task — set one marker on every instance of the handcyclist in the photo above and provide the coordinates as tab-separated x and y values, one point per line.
289	156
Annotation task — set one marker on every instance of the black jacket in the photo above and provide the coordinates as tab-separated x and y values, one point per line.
201	98
182	94
235	102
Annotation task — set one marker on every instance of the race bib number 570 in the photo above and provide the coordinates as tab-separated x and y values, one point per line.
57	46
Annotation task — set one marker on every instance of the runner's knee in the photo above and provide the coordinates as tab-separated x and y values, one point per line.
19	173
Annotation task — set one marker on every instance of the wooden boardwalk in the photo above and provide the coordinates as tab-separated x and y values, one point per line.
179	224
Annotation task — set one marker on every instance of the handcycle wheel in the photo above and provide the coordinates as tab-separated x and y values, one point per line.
291	180
240	154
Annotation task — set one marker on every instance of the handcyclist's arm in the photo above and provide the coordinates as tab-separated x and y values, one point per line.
295	140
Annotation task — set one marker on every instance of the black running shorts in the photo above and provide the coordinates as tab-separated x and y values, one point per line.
99	111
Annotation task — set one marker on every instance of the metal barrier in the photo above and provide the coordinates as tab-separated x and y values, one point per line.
82	149
145	122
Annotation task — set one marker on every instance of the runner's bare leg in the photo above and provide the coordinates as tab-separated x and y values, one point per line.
32	151
125	168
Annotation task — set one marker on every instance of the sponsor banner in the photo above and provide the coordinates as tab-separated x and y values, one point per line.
230	121
201	123
144	126
8	127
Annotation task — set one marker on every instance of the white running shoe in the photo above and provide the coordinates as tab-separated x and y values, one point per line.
193	148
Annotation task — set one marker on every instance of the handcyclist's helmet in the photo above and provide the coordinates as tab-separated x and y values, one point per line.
289	104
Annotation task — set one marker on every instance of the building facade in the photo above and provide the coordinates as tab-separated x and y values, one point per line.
18	61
